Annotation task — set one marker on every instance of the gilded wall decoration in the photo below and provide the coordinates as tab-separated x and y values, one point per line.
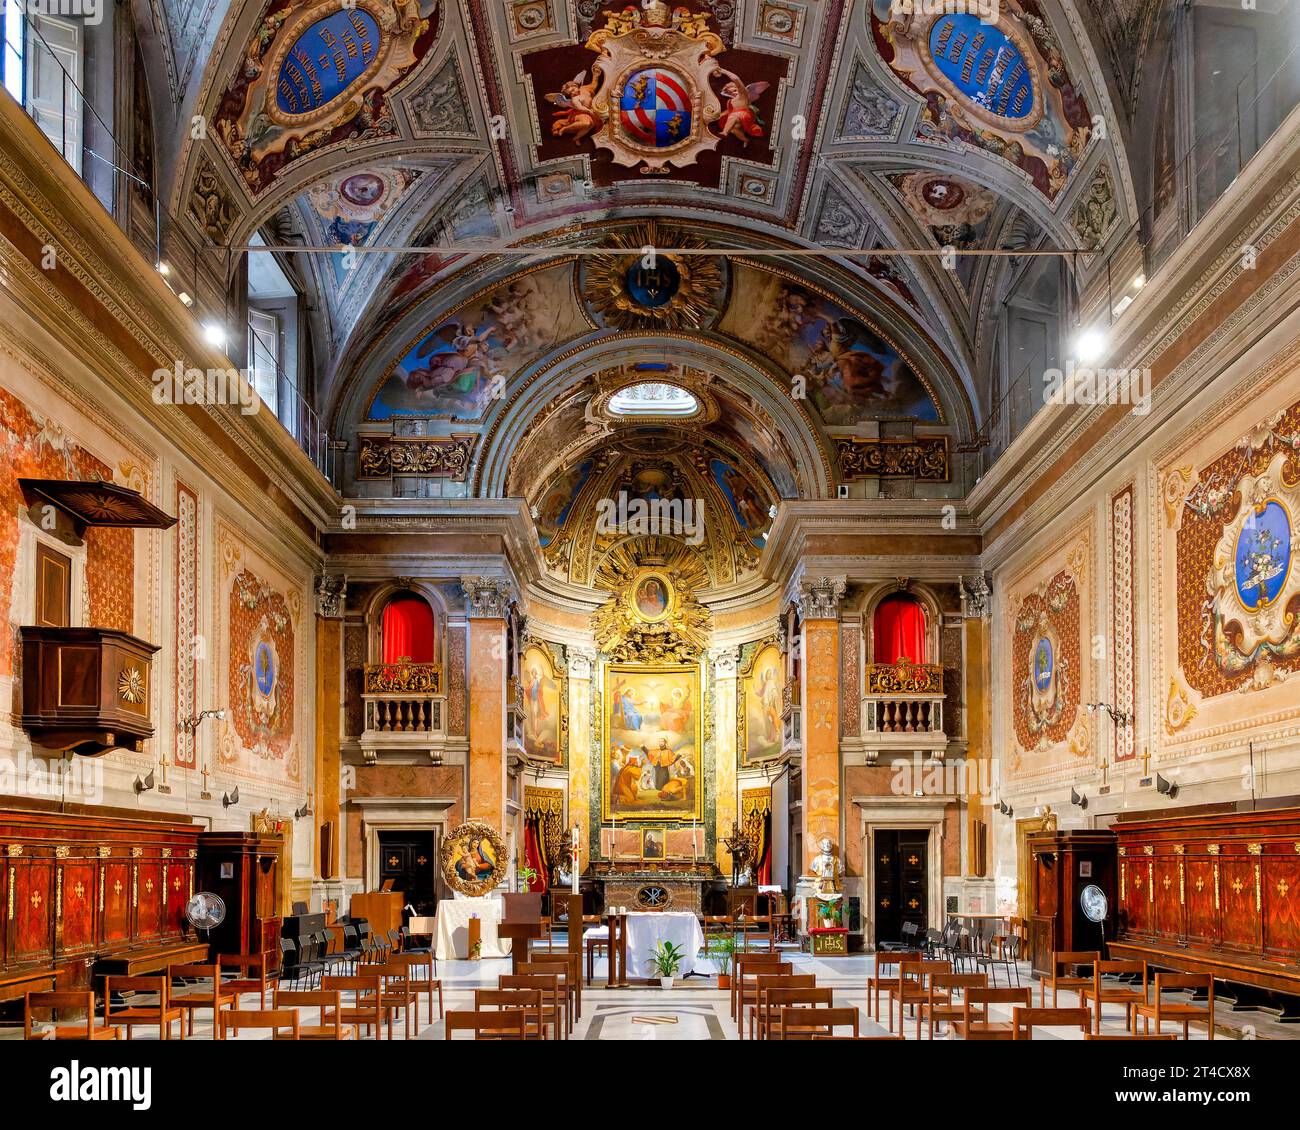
261	671
925	458
317	73
1001	87
1049	659
758	717
1123	618
653	618
382	457
546	704
187	620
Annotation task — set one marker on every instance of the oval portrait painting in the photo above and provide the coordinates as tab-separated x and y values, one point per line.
473	859
652	597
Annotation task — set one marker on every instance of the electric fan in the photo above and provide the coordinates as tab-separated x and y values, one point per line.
205	910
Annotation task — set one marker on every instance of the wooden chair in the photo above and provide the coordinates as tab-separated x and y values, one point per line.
807	1023
940	999
554	1002
568	991
743	964
570	963
886	974
914	986
1025	1020
368	1009
776	979
975	1022
194	997
1161	1010
1099	993
595	939
747	995
493	1024
53	1002
801	996
756	928
529	1000
422	984
274	1019
133	1015
1060	977
396	991
250	974
330	1003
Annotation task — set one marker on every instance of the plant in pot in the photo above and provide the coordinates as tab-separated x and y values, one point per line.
722	949
527	877
832	914
665	961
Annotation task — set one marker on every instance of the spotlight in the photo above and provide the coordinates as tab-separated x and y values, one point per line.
230	798
145	785
214	334
1166	788
185	298
1078	799
1090	346
1139	282
163	269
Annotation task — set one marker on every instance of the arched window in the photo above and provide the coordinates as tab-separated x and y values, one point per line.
898	629
406	631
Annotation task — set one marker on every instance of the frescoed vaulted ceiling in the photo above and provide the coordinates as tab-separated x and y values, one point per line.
442	127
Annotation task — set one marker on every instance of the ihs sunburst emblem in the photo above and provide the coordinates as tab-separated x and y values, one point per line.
130	685
644	285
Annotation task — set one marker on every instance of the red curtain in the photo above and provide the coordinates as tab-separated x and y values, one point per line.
535	855
899	630
408	629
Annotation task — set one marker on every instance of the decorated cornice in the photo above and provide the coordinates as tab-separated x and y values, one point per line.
487	597
924	458
382	457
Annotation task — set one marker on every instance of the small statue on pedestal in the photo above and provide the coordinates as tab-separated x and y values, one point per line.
827	869
741	850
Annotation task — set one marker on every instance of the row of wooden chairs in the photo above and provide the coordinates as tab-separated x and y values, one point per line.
1147	1002
541	999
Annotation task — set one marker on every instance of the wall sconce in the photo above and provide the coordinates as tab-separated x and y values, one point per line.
305	810
1119	717
192	723
143	786
1166	787
230	798
1005	808
1078	799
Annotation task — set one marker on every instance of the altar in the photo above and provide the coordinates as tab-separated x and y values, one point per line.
453	928
660	885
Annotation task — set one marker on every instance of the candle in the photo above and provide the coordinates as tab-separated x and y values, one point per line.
573	869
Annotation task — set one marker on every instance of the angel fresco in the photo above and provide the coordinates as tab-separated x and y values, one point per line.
740	119
461	371
577	117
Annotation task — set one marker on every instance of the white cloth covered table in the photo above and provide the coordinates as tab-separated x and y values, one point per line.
647	930
453	928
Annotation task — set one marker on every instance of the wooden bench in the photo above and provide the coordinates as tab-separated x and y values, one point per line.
1223	965
151	959
15	986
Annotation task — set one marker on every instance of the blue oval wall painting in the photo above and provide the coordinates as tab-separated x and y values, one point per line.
264	667
325	60
1263	555
1043	664
982	62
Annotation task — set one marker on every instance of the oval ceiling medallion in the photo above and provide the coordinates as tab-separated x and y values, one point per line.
987	67
326	59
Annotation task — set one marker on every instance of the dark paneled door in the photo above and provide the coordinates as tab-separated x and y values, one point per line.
407	858
901	889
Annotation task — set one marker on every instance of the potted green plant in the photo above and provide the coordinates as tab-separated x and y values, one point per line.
665	961
832	913
722	948
527	877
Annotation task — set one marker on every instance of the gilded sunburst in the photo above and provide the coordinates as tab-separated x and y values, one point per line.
645	285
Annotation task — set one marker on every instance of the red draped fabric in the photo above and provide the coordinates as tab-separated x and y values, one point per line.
899	629
407	629
535	854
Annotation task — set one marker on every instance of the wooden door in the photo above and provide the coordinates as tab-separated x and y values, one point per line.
53	588
902	886
407	858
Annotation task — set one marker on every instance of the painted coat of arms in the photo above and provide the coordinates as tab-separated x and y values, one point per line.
650	98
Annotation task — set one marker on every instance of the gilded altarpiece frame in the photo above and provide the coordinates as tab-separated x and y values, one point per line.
757	688
545	687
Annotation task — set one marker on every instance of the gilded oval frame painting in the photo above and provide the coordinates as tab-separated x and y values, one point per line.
651	737
473	858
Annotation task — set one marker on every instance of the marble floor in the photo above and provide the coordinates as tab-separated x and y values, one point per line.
695	1009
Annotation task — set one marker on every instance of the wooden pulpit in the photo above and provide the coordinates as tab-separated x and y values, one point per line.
1062	865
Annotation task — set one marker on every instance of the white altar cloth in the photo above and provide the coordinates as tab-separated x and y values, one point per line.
453	928
647	930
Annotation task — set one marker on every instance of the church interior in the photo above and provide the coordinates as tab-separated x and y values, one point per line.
757	520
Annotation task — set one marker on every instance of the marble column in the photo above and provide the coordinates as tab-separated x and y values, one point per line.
819	606
581	666
330	592
726	662
487	603
977	669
